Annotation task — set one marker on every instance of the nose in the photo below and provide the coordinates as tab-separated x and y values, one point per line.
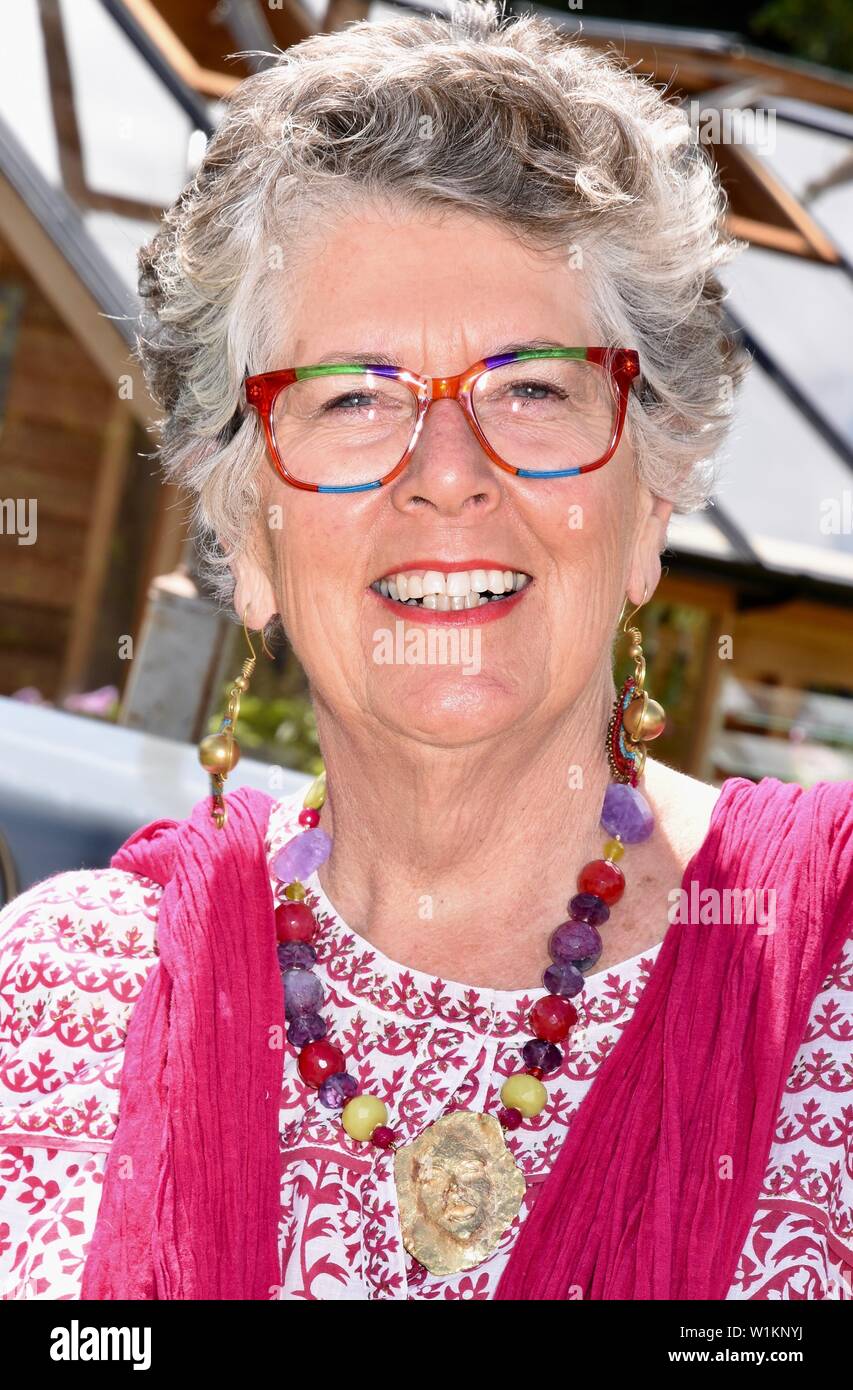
448	471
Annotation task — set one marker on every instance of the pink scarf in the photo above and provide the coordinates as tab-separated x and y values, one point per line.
190	1205
653	1192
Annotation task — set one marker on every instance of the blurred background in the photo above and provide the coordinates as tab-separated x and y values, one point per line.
113	661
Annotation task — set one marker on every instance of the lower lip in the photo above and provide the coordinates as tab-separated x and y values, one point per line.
455	617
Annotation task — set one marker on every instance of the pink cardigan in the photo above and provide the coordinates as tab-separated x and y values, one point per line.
654	1189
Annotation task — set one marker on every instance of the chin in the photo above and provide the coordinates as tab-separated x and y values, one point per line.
448	708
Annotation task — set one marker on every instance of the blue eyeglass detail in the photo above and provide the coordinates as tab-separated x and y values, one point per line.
350	487
547	473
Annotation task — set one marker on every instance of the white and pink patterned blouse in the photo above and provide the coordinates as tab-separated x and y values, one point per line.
74	954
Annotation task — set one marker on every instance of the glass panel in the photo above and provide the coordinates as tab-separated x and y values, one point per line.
24	90
133	134
816	167
125	140
697	533
801	313
784	487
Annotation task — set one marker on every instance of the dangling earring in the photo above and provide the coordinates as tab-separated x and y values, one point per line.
219	753
636	718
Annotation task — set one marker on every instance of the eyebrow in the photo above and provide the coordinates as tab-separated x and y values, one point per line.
383	360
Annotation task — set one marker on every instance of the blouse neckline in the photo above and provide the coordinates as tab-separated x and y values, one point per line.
359	973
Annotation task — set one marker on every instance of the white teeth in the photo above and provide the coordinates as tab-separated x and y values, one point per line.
433	583
458	583
451	592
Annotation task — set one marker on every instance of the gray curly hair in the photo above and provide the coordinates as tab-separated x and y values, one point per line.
528	127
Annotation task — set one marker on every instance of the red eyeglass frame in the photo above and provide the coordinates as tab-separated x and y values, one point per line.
262	391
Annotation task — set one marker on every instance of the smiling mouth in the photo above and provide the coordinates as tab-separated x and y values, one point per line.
453	591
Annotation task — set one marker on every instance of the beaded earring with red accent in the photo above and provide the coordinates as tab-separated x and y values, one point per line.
636	717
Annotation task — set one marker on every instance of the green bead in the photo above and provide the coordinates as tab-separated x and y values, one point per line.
361	1115
613	850
294	892
315	796
524	1093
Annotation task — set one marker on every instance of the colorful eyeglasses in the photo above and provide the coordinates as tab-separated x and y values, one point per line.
539	413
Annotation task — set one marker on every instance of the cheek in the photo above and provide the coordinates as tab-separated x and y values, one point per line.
585	530
316	578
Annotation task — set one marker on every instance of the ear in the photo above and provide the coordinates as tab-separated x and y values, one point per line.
253	593
644	572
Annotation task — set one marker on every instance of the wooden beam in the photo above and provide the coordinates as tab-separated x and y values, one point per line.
71	300
717	600
692	71
102	520
791	210
801	643
204	80
169	542
773	238
61	96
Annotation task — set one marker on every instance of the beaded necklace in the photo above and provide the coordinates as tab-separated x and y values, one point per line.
463	1141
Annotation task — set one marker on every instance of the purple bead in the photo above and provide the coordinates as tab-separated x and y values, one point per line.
298	859
563	978
627	813
306	1028
295	955
574	941
587	963
303	993
543	1055
587	907
336	1090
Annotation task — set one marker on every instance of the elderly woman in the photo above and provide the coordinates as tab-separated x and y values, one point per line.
438	340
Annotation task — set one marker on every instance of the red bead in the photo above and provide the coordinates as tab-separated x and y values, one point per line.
383	1137
309	817
535	1071
604	879
319	1059
552	1017
294	922
510	1119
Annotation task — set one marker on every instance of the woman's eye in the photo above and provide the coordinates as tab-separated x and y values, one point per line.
534	390
531	391
354	400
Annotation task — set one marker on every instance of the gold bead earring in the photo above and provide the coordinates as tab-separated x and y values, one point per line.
636	717
219	753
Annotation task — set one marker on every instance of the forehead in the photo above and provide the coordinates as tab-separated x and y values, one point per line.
433	293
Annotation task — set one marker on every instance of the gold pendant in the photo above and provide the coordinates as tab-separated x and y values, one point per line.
458	1189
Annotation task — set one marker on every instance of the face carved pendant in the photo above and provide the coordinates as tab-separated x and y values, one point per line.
458	1189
